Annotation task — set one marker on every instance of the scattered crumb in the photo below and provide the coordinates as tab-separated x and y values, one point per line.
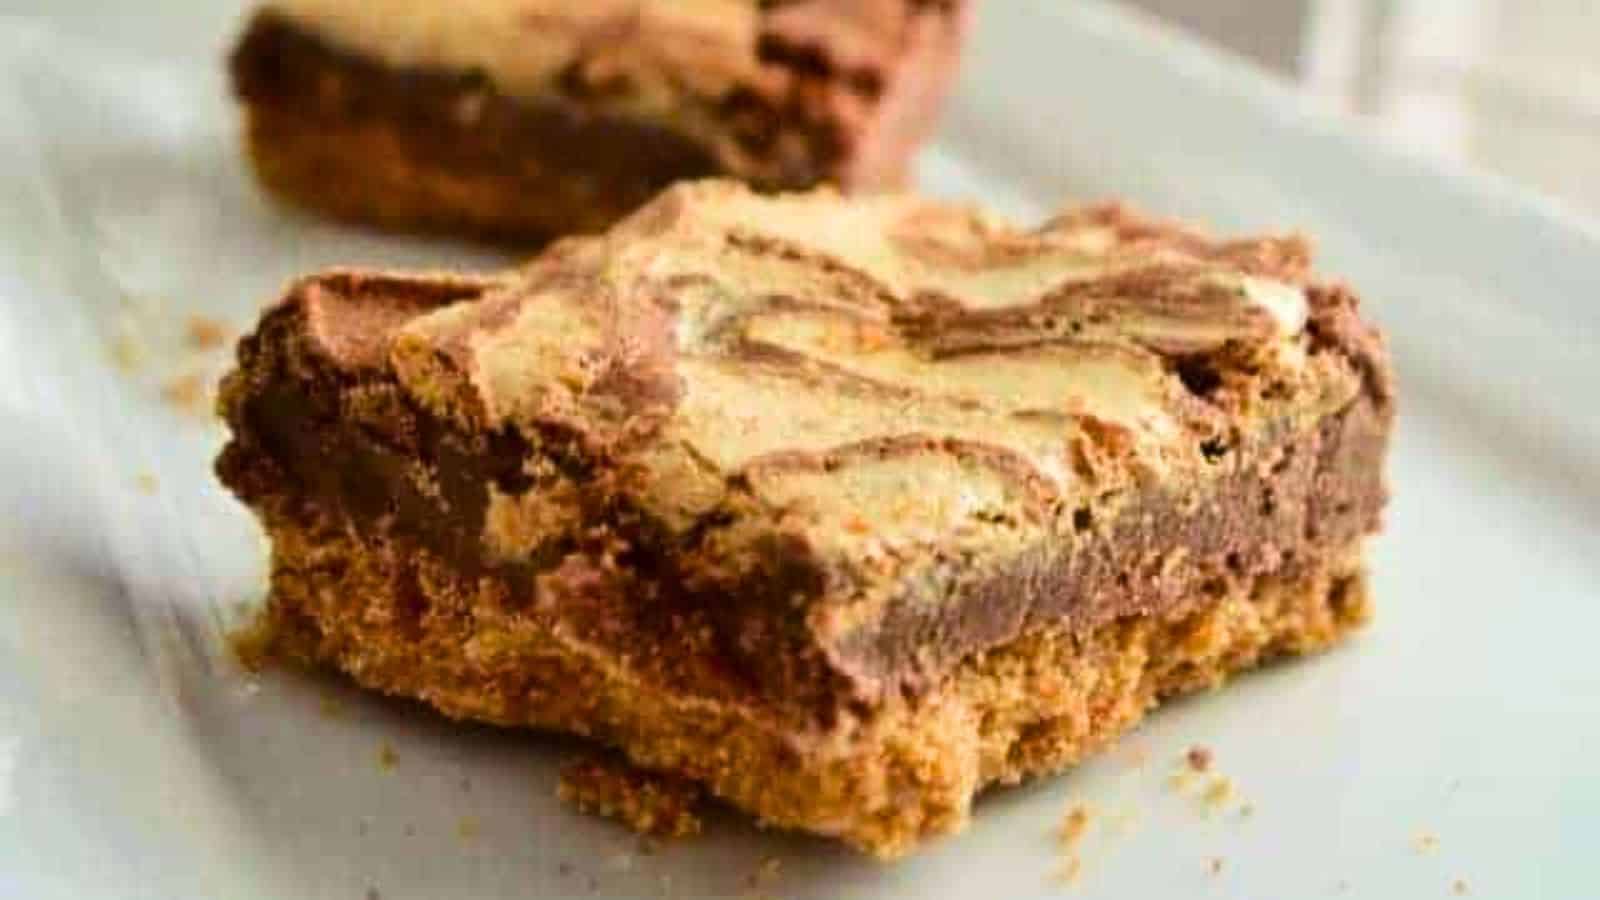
564	868
409	830
466	784
203	333
468	828
126	354
765	874
187	393
591	883
388	759
374	894
363	825
649	846
1459	887
1425	842
146	482
1342	887
1218	792
1214	866
647	802
329	707
1073	825
1070	869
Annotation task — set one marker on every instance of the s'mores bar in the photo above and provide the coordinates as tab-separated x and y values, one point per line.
844	510
524	120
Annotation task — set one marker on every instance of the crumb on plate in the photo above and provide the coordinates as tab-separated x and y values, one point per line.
1069	870
767	872
127	354
205	333
187	393
1073	826
1218	793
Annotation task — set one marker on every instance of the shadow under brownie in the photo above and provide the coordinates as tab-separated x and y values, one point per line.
842	509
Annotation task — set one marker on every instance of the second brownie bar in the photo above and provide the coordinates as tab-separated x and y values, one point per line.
844	510
525	120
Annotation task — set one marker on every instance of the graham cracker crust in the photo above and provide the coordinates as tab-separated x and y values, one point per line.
650	803
397	618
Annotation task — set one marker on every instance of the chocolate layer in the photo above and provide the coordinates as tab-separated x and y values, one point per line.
1293	501
346	436
1296	499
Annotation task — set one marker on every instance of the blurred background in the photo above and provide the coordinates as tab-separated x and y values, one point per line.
1512	86
1509	85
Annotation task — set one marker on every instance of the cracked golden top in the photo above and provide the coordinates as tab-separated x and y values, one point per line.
810	346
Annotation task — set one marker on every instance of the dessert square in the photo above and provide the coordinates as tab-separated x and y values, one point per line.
842	509
524	120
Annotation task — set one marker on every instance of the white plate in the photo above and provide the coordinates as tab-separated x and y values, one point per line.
135	761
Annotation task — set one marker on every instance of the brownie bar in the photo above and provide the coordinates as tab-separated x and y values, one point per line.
843	509
524	120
